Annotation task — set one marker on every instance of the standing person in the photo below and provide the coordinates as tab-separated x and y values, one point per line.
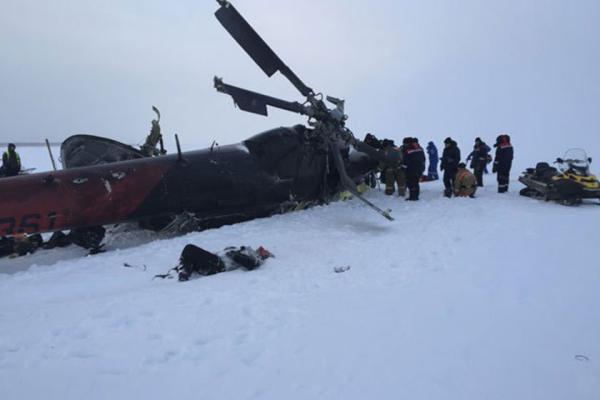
393	172
450	160
479	159
11	162
432	152
414	166
465	183
503	162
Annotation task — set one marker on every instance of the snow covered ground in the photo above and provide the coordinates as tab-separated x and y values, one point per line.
492	298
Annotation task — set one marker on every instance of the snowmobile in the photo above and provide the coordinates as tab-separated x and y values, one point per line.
569	184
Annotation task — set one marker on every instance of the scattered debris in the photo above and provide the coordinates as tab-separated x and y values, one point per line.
142	268
339	270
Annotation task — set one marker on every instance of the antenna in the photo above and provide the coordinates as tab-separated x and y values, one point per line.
50	152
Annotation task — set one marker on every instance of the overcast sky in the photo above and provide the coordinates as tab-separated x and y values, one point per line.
424	68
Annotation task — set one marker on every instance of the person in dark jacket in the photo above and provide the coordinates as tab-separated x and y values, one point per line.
479	158
414	166
503	162
11	162
450	161
432	152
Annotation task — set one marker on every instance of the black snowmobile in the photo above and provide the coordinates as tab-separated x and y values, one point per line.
568	184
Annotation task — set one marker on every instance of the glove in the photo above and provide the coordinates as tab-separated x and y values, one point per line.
495	168
441	167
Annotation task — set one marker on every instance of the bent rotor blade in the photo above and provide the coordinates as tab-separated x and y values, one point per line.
255	46
348	184
257	103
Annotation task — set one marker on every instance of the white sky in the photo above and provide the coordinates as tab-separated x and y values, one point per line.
429	69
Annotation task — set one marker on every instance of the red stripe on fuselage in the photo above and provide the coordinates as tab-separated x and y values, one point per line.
77	197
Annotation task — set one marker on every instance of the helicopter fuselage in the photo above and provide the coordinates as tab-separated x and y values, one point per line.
266	174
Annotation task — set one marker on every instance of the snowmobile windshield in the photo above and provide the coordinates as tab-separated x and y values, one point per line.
576	160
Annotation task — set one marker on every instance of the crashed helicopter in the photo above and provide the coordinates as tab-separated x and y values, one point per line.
105	182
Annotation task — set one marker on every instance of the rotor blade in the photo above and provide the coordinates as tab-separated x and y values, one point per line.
257	103
255	46
348	184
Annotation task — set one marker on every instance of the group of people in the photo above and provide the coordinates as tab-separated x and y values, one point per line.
11	162
403	166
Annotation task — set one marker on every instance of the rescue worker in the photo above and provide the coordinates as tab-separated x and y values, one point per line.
394	173
465	183
503	162
371	140
11	162
432	152
414	166
479	158
450	160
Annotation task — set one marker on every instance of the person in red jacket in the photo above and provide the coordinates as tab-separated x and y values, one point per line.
503	162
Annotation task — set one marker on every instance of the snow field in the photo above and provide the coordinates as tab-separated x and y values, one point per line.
488	298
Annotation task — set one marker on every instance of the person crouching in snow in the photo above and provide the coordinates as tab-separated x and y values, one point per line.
465	183
197	261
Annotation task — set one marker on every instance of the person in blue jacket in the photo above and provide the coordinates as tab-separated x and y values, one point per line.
432	152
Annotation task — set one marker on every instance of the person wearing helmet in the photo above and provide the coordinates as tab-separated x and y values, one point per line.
394	174
465	183
11	162
503	162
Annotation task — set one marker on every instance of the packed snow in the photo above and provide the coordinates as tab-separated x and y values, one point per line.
487	298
